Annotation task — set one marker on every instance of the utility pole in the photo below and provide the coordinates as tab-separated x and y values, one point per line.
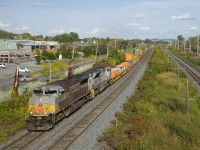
175	43
178	43
197	44
115	44
178	79
187	105
107	50
190	44
96	53
184	45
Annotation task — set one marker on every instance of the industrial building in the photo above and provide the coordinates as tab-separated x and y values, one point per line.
13	51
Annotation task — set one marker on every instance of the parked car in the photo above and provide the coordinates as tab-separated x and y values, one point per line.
24	69
26	78
2	65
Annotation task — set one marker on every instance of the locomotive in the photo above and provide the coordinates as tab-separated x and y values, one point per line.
54	101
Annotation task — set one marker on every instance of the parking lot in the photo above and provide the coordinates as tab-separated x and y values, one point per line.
7	74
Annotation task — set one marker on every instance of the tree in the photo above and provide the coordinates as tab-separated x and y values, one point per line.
27	36
49	55
6	35
63	38
117	56
181	41
38	57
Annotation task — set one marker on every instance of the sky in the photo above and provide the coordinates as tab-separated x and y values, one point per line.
127	19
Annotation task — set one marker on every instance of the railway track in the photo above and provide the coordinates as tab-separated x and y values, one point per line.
72	135
31	138
190	69
24	141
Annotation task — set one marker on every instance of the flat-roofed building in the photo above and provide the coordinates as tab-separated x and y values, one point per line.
11	51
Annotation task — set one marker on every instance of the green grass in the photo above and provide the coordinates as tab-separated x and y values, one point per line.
12	116
155	117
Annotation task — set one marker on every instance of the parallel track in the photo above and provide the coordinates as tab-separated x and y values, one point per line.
72	135
192	70
24	141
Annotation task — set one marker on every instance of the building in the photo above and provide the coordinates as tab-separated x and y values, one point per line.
14	51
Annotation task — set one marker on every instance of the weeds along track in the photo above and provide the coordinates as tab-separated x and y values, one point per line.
24	141
72	135
189	68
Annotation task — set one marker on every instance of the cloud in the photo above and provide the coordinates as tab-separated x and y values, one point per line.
4	24
77	30
23	28
40	4
97	31
139	26
183	17
2	6
56	31
143	28
57	9
101	32
193	28
134	24
140	16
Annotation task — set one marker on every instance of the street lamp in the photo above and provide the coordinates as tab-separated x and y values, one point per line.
49	66
96	55
100	55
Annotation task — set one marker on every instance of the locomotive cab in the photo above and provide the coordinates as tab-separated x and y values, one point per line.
42	107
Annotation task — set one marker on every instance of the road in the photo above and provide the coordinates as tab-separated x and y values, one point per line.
7	74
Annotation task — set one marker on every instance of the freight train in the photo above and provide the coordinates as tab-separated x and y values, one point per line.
52	102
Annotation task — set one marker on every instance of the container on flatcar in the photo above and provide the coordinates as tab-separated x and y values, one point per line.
129	57
115	74
126	65
122	69
141	52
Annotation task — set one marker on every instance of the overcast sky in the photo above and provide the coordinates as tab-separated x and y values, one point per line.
126	19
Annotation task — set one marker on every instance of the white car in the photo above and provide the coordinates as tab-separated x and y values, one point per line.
24	70
2	66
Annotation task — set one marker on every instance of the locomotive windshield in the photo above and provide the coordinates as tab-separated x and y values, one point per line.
50	92
46	92
37	92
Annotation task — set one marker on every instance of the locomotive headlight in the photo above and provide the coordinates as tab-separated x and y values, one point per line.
31	112
45	113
